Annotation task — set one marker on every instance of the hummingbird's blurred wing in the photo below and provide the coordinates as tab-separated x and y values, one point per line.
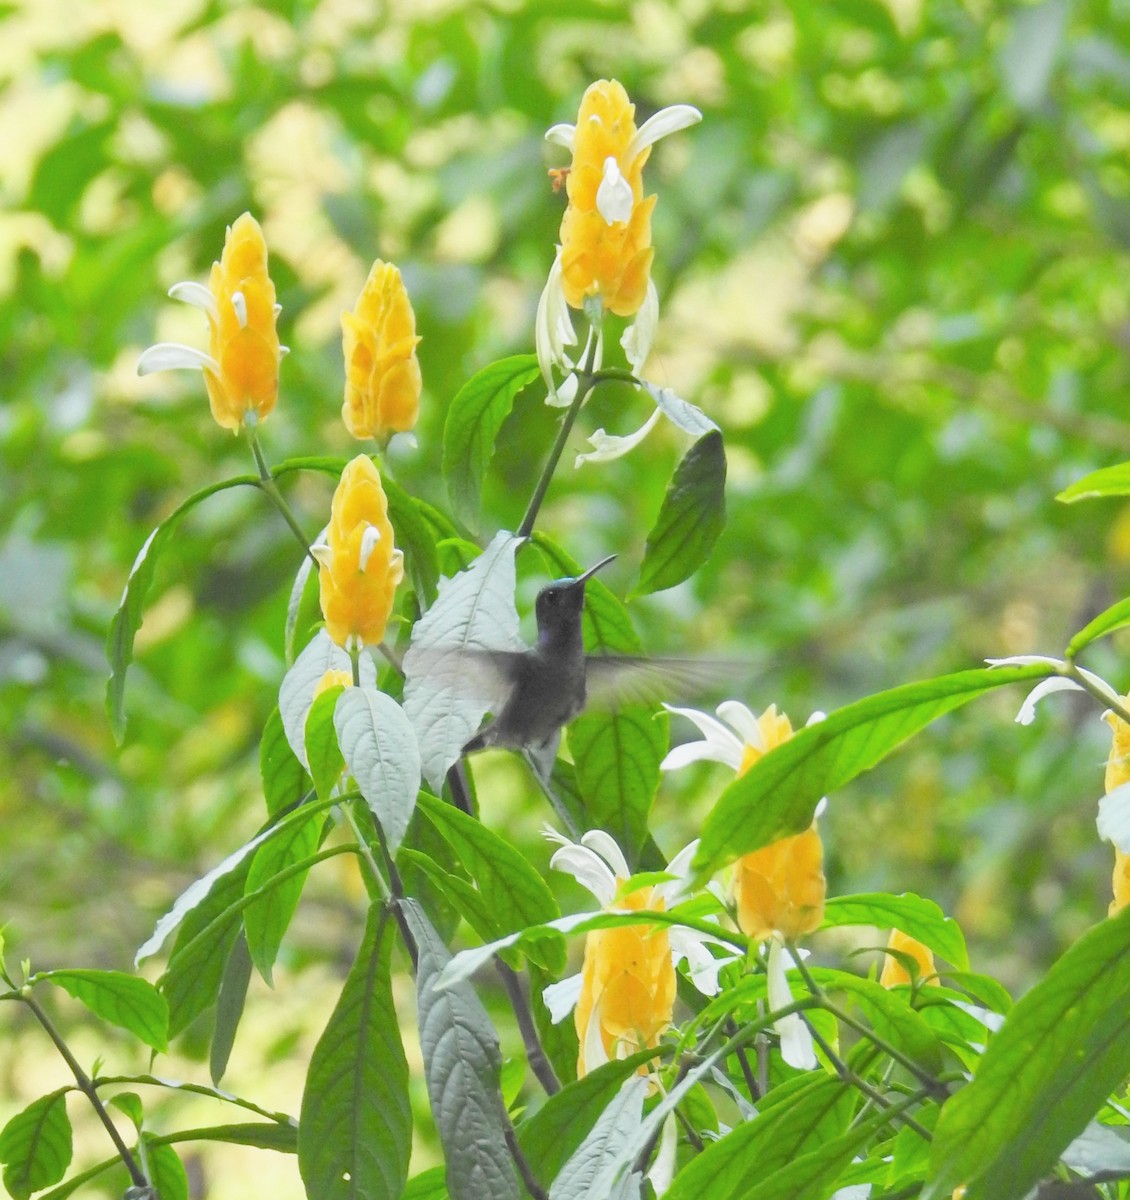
472	673
613	680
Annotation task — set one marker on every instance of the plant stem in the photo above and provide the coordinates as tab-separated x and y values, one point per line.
366	852
539	1064
88	1090
1080	677
537	1192
270	488
585	383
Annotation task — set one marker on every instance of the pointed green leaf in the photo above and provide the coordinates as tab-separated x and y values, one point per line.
229	1007
412	534
296	694
428	1185
1063	1048
592	1168
690	519
922	919
474	613
809	1111
1108	481
320	738
778	795
35	1146
1114	618
127	620
474	418
303	607
124	1000
166	1171
380	750
515	894
555	1131
267	919
355	1131
284	780
462	1062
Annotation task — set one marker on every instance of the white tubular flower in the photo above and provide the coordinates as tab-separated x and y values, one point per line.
1054	683
796	1040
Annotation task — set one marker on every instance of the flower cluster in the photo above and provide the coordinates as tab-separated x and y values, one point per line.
359	565
241	365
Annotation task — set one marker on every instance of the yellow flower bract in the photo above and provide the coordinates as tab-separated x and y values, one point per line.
359	575
382	374
894	972
627	984
611	260
1118	773
243	338
779	888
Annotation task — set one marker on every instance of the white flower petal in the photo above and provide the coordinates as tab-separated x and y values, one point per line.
638	337
743	722
239	303
197	295
663	1168
566	393
691	945
1114	817
172	356
687	753
553	328
593	1043
723	746
1101	684
674	890
1057	683
561	998
588	869
605	845
322	554
607	447
796	1040
561	134
659	125
614	194
369	540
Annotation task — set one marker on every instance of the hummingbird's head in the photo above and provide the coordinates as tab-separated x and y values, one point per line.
559	604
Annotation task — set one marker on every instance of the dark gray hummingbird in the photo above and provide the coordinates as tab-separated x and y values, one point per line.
545	686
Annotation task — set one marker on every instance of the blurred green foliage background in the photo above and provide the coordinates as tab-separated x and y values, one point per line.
893	265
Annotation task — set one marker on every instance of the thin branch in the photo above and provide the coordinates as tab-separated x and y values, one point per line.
539	1064
535	1189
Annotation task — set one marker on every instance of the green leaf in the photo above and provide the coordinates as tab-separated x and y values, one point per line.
130	1104
1108	481
778	795
616	754
462	1063
920	918
229	1006
474	418
284	780
166	1171
595	1168
320	738
296	693
889	1015
474	613
355	1130
380	750
515	894
1114	618
1063	1048
266	920
276	1135
555	1131
124	1000
303	607
412	534
690	520
428	1185
803	1112
35	1146
127	620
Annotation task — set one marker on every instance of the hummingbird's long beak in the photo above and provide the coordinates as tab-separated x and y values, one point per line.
593	570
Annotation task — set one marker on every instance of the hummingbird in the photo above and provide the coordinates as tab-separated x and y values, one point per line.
545	686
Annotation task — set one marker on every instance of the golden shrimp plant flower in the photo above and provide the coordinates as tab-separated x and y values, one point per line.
241	364
382	373
623	998
894	970
603	261
359	566
779	890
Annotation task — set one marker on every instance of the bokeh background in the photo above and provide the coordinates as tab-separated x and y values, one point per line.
893	265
